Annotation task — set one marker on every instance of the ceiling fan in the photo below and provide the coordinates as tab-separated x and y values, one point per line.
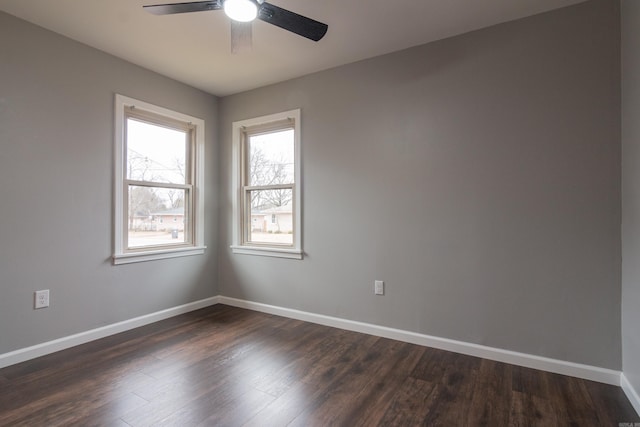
243	12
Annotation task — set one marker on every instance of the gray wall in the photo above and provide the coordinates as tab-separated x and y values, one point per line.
56	189
631	191
479	176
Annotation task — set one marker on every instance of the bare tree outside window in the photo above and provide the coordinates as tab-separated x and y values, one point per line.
270	166
271	163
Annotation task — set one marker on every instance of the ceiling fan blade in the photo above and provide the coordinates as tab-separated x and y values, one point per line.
301	25
241	37
194	6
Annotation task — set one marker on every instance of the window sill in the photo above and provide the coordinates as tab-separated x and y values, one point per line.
267	251
128	258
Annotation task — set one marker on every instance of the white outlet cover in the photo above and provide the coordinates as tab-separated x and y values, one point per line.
379	287
41	299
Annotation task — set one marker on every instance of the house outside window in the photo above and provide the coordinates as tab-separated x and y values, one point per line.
267	209
159	183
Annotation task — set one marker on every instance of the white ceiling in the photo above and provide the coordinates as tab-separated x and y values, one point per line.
195	47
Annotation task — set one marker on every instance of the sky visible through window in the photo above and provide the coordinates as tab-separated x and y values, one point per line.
155	153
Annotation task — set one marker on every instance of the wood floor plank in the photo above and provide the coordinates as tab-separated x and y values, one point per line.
529	381
491	399
68	400
302	363
411	403
108	413
432	365
452	394
288	406
227	366
531	410
333	355
346	390
610	402
572	401
377	396
218	342
238	410
285	359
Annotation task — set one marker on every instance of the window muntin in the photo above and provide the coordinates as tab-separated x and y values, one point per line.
267	172
159	182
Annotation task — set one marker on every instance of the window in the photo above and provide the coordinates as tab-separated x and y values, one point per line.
267	208
159	180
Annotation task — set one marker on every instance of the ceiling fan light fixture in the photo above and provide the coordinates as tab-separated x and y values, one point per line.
241	10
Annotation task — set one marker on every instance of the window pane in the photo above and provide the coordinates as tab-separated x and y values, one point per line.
155	153
271	158
271	218
157	216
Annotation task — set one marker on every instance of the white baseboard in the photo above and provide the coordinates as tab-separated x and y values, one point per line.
588	372
631	393
48	347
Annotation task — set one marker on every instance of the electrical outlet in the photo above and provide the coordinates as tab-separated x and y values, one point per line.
41	299
378	287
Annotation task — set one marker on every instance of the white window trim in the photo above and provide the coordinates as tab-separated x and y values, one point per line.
120	255
295	251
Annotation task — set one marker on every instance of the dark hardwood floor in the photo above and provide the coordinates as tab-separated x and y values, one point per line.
224	366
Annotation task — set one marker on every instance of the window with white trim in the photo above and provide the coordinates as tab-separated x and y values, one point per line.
266	171
159	182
